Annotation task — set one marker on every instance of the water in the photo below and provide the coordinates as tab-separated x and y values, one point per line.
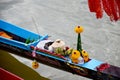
58	19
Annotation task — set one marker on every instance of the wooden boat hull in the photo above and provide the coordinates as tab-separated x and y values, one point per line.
110	73
59	64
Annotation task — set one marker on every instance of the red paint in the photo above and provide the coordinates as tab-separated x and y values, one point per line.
48	52
103	67
6	75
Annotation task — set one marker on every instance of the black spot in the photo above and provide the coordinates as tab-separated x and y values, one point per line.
47	45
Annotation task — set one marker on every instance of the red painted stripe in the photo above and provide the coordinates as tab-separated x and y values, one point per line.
6	75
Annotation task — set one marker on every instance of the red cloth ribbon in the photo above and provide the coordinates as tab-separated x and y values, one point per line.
34	52
110	7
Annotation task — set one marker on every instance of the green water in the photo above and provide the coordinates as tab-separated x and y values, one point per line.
11	64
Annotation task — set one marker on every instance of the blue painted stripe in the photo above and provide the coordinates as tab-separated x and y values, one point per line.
92	64
14	43
20	44
37	41
18	31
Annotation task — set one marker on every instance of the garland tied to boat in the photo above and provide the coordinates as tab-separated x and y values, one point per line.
110	7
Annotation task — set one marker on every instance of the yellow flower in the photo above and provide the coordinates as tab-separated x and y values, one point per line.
35	64
85	56
78	29
75	56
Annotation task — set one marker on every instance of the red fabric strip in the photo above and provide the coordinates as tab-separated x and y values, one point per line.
113	8
99	10
118	5
106	7
91	4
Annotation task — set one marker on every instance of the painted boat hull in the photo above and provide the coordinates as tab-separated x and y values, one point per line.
22	49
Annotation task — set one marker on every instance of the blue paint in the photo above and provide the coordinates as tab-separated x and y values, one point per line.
14	43
92	64
19	32
37	41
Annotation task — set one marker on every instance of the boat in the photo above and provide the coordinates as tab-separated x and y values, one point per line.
24	43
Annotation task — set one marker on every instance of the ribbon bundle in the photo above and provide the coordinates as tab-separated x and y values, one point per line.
110	7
